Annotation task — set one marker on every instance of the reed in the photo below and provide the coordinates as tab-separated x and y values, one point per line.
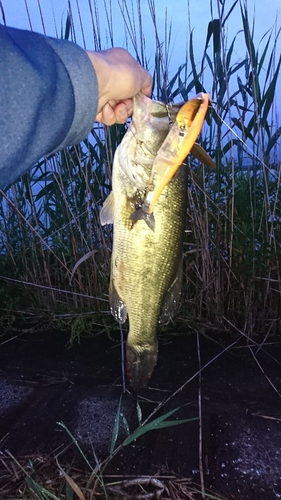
49	219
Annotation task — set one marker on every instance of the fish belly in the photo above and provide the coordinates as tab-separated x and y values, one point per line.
144	266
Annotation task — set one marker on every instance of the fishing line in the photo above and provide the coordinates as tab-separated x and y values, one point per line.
122	358
51	288
211	106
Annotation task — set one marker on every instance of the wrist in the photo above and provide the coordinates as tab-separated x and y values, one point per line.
103	72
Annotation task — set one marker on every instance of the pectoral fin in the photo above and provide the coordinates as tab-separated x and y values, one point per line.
140	214
107	211
171	299
117	306
201	155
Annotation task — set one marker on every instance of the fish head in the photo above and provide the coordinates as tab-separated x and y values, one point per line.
151	121
141	361
148	129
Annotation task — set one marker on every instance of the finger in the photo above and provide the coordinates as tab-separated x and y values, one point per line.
106	115
119	113
122	111
147	90
147	84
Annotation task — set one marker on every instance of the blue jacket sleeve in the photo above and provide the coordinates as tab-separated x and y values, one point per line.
48	98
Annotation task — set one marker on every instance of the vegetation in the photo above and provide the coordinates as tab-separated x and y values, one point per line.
49	218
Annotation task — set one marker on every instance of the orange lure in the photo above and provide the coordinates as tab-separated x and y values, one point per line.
178	143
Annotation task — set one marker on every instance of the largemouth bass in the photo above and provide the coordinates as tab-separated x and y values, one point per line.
146	265
179	142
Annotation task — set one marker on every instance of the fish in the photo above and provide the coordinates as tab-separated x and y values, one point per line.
179	142
146	265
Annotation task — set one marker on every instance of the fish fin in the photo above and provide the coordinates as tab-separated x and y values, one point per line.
171	300
117	306
141	215
202	155
107	211
127	163
140	363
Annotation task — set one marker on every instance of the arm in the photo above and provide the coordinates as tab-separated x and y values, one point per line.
51	91
48	98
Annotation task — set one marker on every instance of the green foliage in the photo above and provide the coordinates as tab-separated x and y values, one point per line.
49	219
161	422
116	427
157	423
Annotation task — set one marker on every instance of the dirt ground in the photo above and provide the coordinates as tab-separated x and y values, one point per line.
236	444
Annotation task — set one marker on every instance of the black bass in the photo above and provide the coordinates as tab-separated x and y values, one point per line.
179	142
146	265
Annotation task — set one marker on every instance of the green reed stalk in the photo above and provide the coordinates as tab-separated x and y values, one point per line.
49	219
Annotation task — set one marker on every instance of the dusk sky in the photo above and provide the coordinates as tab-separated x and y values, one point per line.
265	15
183	15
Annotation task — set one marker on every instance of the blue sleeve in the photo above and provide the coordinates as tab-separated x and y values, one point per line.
48	98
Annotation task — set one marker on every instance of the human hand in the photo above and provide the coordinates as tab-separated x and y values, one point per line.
120	78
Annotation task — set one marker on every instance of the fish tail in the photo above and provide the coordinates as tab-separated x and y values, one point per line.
140	364
140	214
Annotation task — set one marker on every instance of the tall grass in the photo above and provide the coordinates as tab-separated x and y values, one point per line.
49	219
234	214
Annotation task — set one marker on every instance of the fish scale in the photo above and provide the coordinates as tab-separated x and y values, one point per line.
146	263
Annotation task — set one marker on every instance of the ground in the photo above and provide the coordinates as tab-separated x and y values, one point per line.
236	444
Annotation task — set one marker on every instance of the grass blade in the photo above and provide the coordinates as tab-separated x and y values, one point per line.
158	423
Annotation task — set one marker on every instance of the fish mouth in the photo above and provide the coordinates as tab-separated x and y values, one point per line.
141	361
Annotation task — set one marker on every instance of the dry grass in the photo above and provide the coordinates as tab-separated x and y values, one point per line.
38	477
49	219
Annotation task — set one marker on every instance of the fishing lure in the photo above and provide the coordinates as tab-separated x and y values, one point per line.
178	144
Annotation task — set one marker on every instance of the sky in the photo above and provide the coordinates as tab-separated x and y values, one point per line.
184	15
109	18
